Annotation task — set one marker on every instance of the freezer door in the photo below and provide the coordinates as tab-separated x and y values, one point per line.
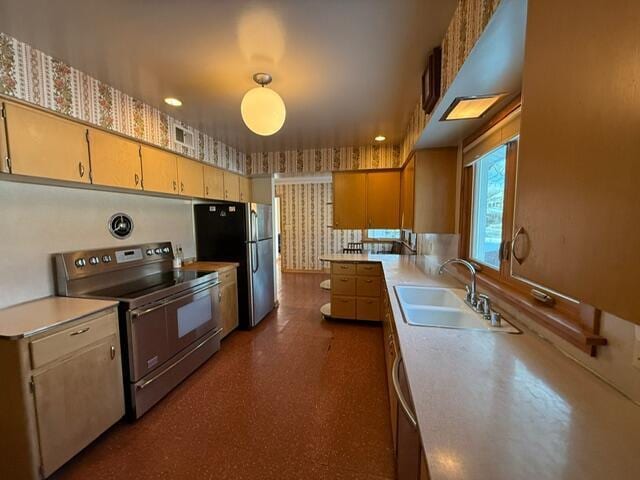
265	222
262	280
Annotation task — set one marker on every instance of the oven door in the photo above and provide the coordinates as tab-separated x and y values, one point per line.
191	315
147	339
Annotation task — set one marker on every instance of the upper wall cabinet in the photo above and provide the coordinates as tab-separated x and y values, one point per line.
245	189
349	200
231	187
115	161
44	145
576	221
190	177
213	183
407	181
383	199
429	191
160	170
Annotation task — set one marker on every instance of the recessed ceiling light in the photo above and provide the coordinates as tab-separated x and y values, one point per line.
380	138
174	102
463	108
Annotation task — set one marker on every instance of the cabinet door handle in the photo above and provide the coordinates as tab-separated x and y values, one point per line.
175	185
220	297
136	177
207	189
519	232
79	332
81	169
396	386
181	187
113	352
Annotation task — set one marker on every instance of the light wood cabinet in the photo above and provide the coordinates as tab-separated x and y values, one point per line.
383	199
228	301
190	178
231	186
115	161
213	183
429	191
244	189
407	201
577	177
66	389
159	170
45	145
349	200
356	290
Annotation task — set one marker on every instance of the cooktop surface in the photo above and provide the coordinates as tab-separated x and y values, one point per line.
149	284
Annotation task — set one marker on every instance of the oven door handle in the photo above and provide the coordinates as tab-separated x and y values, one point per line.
139	313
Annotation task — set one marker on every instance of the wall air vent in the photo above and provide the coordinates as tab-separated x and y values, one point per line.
184	137
120	225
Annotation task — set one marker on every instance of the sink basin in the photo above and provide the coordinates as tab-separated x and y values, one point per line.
428	296
442	308
441	317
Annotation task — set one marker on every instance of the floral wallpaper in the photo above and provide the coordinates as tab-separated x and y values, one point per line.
306	213
324	159
33	76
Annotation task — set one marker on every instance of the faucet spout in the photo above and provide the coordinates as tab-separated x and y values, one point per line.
472	298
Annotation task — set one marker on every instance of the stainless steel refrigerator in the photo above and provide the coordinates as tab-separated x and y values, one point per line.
242	233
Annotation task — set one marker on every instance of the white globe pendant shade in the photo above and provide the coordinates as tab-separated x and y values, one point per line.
263	111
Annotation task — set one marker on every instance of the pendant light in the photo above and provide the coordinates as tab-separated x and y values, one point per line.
262	109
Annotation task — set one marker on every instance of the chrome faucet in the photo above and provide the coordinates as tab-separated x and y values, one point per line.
472	298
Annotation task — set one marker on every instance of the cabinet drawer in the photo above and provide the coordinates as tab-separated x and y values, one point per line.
49	348
343	307
372	269
343	285
368	286
343	268
228	276
367	309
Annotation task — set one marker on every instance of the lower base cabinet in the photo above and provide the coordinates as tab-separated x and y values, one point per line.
65	389
228	301
355	290
410	459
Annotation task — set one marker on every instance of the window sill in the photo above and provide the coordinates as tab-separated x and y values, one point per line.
566	326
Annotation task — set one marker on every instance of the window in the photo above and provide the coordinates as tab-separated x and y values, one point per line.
488	207
383	234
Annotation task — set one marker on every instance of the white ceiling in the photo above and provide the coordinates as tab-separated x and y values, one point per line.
346	69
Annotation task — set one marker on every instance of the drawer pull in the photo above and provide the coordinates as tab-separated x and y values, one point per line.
113	352
79	332
368	281
344	279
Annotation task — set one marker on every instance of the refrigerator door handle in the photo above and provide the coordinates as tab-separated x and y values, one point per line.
254	239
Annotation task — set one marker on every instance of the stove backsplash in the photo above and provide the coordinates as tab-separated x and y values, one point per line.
39	220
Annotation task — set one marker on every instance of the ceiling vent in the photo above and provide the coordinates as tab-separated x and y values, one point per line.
184	137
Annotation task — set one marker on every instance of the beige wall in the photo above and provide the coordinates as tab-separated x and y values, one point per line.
38	220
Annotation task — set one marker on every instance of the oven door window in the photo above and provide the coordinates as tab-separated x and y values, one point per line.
193	315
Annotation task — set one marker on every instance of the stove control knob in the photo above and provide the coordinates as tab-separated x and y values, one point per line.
94	260
166	250
81	262
158	251
149	252
106	258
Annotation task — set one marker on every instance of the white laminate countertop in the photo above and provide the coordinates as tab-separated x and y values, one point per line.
497	406
37	316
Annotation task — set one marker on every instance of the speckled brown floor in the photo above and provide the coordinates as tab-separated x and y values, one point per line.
295	398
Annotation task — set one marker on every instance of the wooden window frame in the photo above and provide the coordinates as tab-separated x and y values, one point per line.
577	323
